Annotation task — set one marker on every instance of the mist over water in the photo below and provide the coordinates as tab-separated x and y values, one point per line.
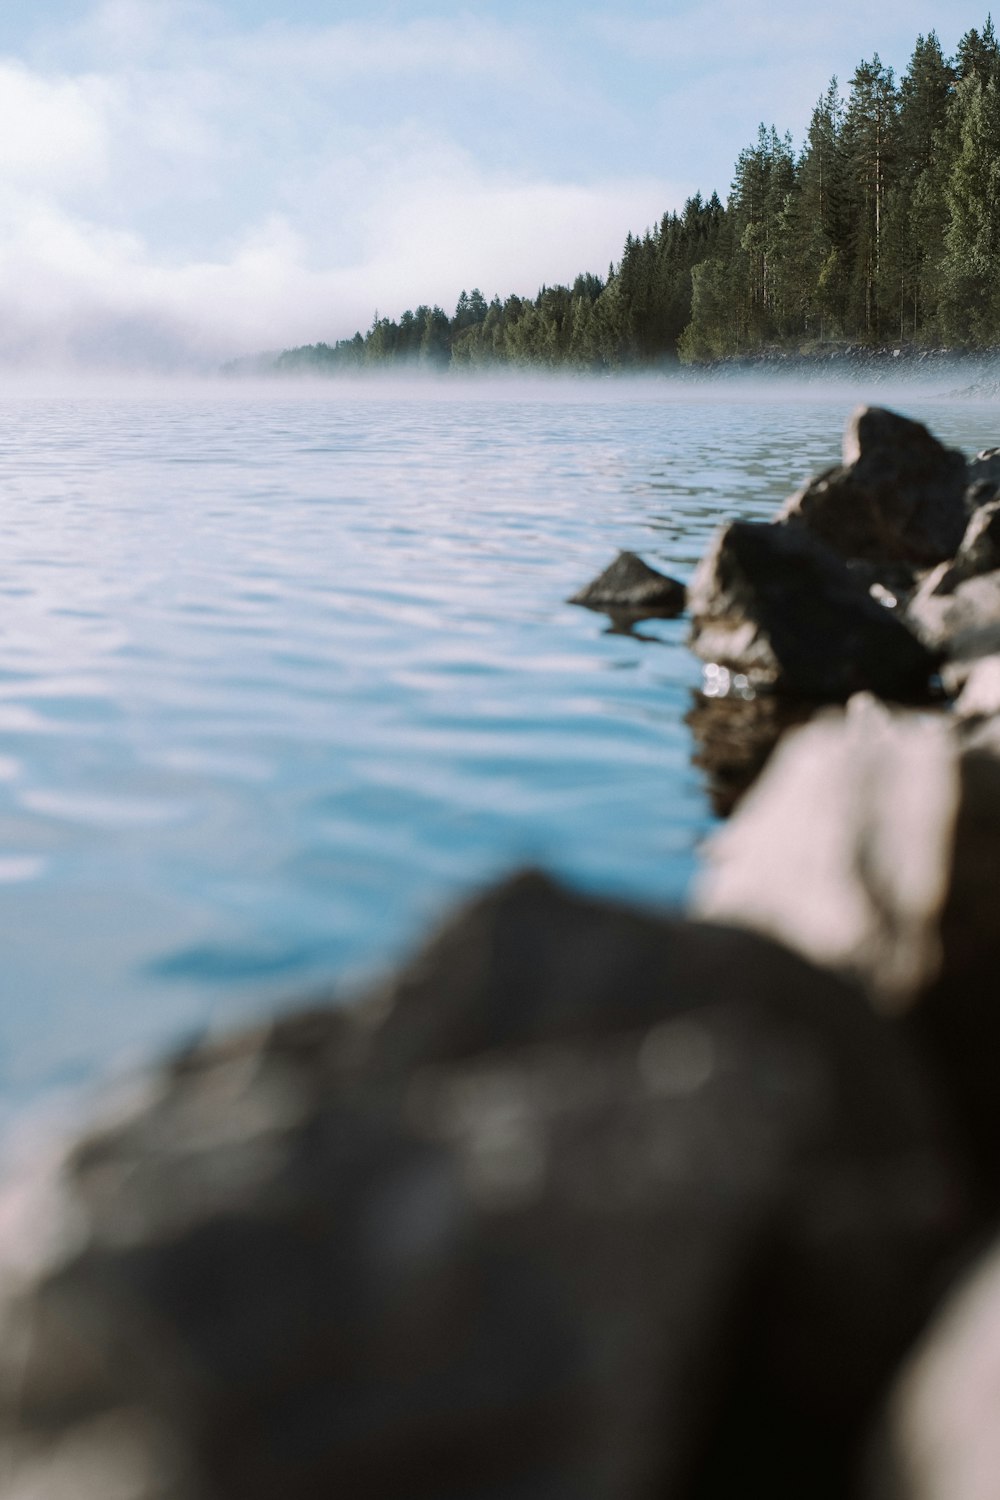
285	669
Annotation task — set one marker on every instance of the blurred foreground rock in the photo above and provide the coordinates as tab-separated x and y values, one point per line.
872	844
843	849
775	604
584	1204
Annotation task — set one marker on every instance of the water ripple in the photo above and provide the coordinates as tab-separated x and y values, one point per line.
282	675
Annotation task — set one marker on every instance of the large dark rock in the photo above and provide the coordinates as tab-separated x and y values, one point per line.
631	587
605	1206
899	495
774	604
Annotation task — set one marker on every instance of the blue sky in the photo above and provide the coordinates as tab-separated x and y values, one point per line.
188	179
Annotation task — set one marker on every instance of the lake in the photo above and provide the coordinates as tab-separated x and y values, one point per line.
284	672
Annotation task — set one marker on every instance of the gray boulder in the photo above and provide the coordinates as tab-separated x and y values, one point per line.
871	843
899	495
843	848
631	587
584	1205
774	604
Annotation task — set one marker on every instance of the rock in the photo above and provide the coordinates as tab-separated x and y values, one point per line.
984	470
596	1189
776	605
898	496
957	1022
871	843
890	584
980	695
940	1439
629	586
959	626
979	552
843	848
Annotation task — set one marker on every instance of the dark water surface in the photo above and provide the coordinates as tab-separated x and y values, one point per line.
281	674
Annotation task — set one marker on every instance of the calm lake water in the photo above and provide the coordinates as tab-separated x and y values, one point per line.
284	673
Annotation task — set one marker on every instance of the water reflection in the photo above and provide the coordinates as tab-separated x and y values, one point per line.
734	737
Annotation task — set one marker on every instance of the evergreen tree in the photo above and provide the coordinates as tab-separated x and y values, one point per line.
869	138
916	211
972	241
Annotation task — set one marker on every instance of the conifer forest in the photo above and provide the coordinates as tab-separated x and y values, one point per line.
883	228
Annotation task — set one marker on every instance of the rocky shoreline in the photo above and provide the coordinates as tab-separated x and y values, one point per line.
588	1203
972	372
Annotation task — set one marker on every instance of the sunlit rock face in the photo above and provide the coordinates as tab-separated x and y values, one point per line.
582	1204
899	495
777	606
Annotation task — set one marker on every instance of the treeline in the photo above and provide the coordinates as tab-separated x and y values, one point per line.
885	226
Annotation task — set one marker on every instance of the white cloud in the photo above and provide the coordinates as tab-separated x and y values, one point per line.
53	130
209	191
72	290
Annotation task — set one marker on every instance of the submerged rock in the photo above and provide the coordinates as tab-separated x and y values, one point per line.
631	587
604	1206
899	495
775	604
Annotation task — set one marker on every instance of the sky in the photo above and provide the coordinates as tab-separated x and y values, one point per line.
184	181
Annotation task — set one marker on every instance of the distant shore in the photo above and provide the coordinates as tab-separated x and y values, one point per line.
975	371
881	362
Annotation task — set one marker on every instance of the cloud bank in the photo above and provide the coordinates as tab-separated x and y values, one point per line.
183	181
187	192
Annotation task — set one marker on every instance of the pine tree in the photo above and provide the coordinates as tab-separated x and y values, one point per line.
869	139
972	241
